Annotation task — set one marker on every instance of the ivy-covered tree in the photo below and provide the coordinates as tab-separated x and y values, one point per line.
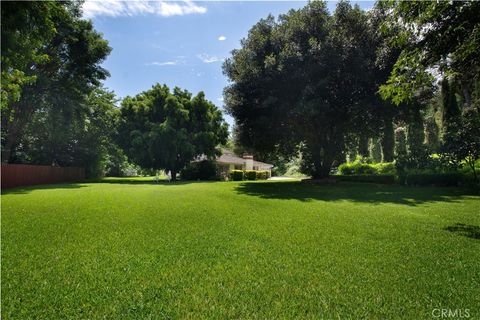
166	130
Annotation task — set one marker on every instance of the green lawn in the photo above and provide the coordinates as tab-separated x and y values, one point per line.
130	249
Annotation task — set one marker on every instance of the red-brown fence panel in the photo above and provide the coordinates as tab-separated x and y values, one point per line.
18	175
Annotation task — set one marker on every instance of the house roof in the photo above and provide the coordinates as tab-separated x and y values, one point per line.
229	157
258	163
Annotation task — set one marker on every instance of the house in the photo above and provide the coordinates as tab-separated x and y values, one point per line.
228	161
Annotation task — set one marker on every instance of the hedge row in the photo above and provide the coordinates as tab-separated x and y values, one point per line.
384	178
433	179
411	179
240	175
358	167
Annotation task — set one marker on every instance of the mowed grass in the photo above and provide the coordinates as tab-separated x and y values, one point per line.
131	249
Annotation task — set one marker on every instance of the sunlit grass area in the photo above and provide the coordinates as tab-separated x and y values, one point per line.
131	248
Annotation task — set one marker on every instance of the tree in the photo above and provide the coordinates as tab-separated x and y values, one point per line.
436	35
50	63
450	109
462	141
166	130
305	82
85	139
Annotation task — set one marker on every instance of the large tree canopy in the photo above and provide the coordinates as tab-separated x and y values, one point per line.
441	36
307	81
166	130
50	64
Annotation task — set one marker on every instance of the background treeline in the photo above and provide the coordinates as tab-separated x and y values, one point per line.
309	90
55	111
398	82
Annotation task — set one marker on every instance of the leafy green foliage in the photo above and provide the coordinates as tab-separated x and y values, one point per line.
166	130
435	35
250	174
200	170
240	175
359	166
462	141
307	82
262	175
237	175
50	65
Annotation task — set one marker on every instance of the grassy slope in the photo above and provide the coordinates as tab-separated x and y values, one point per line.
137	250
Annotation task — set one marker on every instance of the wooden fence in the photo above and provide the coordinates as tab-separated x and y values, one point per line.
18	175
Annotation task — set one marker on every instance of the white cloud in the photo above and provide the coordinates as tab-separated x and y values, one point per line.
117	8
222	38
208	58
177	61
166	63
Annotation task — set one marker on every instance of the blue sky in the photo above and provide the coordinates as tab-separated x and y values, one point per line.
177	43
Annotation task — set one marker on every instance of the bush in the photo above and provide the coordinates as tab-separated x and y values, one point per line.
240	175
383	179
434	179
387	168
361	168
237	175
251	174
263	175
202	170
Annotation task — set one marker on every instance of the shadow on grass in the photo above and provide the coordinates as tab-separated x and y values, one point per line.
28	189
356	192
146	181
84	184
465	230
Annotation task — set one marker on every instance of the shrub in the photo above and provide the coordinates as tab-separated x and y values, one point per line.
384	179
262	174
251	174
237	175
435	179
387	168
202	170
360	167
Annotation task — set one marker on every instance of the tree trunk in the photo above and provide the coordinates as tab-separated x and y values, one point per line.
375	150
174	175
322	172
11	137
363	146
415	133
466	95
387	141
323	165
472	166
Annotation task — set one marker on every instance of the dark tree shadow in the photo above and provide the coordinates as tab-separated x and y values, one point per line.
84	184
357	192
28	189
465	230
144	181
